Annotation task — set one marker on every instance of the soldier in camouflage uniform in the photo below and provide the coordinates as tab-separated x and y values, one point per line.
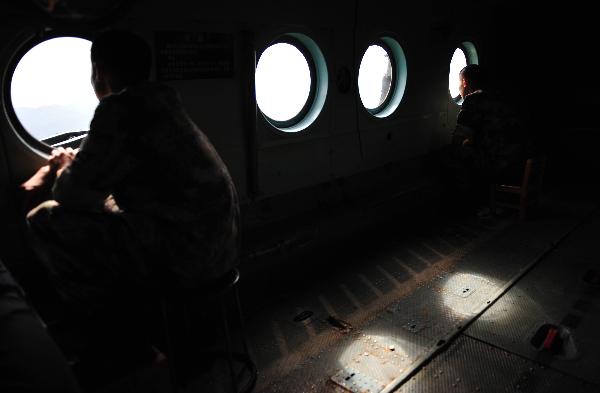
146	202
489	142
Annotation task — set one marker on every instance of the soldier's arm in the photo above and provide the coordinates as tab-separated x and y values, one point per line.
89	179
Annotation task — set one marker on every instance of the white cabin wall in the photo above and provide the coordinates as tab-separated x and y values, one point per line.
285	162
345	142
331	147
345	139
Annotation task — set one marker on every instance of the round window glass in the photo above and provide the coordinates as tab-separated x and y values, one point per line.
51	92
283	82
375	78
458	62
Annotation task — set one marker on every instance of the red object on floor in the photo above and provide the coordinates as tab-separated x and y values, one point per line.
552	332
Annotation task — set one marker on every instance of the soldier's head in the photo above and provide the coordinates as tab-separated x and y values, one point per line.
471	78
120	59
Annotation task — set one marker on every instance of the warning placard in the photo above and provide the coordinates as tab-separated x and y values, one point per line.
193	55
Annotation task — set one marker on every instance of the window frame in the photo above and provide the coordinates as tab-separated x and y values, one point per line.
321	80
389	109
296	43
381	43
22	49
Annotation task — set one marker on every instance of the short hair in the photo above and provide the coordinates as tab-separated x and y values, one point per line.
125	55
474	76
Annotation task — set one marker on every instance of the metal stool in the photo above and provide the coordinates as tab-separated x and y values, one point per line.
184	298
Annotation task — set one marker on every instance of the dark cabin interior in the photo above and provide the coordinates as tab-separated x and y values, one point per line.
355	275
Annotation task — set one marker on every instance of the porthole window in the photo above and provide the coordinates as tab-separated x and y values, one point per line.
283	82
375	78
51	93
382	77
291	82
463	55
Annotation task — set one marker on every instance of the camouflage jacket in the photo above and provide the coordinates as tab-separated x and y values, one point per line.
167	179
493	130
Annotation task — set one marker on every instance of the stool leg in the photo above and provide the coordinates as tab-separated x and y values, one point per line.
249	364
523	205
227	343
170	349
241	321
185	353
493	199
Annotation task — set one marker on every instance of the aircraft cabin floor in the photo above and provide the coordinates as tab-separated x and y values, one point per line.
465	306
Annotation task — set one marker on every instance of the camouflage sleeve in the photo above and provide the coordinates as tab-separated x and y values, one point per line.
470	120
101	162
461	133
463	130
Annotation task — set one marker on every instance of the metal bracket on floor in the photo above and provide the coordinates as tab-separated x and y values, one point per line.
356	382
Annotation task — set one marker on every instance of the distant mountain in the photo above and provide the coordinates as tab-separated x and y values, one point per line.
47	121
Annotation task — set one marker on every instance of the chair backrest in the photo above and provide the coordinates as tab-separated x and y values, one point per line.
533	175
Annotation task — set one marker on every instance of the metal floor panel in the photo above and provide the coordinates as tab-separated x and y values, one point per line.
472	366
419	301
367	351
294	356
553	293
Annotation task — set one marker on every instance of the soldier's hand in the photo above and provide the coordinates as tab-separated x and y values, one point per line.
60	158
